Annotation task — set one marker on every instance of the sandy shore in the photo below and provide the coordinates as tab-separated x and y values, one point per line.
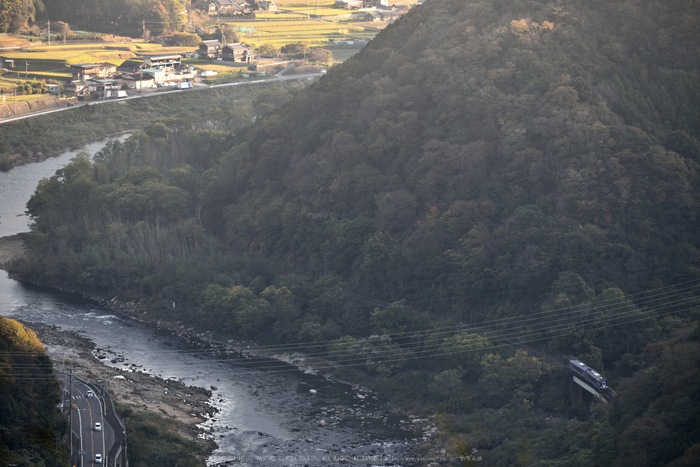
10	248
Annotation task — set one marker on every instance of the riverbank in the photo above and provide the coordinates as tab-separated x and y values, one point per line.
15	160
195	410
422	431
188	405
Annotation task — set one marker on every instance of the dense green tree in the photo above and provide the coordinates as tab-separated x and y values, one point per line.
465	350
17	14
29	393
528	170
398	319
512	380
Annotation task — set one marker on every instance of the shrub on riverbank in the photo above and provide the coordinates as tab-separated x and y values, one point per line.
157	441
29	394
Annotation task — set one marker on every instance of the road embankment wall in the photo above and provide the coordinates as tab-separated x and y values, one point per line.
10	108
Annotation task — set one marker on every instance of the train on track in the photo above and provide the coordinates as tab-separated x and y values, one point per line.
588	375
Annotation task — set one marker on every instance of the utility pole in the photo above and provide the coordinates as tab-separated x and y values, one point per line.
70	411
26	70
143	25
48	34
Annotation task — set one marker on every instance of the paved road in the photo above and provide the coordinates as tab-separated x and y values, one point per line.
145	94
86	412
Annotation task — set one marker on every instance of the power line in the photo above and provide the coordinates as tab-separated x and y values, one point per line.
544	332
531	339
486	328
326	366
436	345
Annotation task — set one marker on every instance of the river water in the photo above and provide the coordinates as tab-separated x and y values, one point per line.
267	414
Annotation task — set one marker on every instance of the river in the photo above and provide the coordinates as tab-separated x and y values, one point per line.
266	416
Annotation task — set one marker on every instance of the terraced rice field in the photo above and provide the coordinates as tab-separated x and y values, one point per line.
277	16
288	4
312	10
6	84
325	5
57	58
315	33
53	62
12	41
323	8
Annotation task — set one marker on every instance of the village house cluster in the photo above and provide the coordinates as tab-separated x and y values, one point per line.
105	80
357	4
368	10
215	50
229	7
374	10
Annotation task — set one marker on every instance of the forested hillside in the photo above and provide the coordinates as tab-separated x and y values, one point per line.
29	394
482	174
122	17
485	149
17	14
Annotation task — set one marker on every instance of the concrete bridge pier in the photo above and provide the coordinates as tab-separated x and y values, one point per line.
576	393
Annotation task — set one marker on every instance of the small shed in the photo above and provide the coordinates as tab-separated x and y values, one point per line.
54	88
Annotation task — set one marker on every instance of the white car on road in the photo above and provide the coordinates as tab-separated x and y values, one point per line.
98	426
98	458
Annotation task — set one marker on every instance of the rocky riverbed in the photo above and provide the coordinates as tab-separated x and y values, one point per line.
140	391
335	439
419	434
267	416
